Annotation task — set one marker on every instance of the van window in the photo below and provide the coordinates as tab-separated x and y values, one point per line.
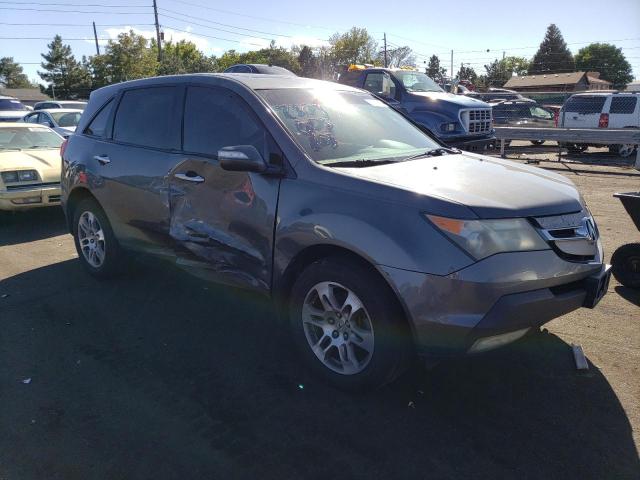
215	118
381	84
149	117
98	125
585	105
623	104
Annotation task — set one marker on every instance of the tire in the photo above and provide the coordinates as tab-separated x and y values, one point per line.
623	151
537	142
92	233
374	335
576	147
626	265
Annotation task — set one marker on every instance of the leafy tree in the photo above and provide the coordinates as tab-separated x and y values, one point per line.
399	57
308	62
606	59
499	71
183	57
553	56
12	75
354	46
273	55
517	65
467	73
434	70
127	58
63	72
228	58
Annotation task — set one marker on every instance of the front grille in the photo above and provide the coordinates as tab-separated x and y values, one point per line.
574	237
476	121
30	186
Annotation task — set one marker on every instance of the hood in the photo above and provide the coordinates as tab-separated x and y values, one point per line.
46	162
492	188
435	98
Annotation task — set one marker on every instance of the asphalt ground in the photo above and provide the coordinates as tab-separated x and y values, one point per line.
159	375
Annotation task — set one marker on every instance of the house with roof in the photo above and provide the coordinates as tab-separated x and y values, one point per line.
558	82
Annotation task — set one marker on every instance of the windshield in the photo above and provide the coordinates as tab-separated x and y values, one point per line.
417	82
335	126
11	104
66	119
23	138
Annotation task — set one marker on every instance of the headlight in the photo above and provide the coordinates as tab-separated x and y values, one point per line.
20	176
482	238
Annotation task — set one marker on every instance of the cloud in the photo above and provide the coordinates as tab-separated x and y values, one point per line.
169	35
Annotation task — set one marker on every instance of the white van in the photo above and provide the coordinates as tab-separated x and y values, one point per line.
601	110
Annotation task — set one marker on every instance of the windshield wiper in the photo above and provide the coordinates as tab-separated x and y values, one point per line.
435	152
359	163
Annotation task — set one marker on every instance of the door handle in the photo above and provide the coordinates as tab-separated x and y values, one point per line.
102	159
190	177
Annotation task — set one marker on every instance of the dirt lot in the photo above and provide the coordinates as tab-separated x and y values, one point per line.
161	376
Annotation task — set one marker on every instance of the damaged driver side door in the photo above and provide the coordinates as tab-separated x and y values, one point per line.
222	222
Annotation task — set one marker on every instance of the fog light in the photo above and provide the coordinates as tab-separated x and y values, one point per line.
495	341
448	127
27	200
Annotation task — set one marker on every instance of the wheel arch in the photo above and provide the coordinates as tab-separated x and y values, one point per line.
75	197
307	256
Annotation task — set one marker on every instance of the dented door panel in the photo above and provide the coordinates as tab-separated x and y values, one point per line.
224	225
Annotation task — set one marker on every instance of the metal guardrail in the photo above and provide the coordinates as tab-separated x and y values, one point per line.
604	136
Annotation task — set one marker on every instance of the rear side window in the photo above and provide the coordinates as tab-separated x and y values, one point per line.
585	105
623	105
215	118
98	125
149	117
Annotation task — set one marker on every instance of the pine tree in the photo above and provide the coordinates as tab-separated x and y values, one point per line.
434	70
553	56
66	76
11	74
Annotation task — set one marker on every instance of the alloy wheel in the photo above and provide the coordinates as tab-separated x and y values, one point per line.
338	328
91	239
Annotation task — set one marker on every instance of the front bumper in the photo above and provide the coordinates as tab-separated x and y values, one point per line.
505	293
21	198
473	143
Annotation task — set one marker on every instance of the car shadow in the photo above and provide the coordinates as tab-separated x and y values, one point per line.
158	375
31	225
629	294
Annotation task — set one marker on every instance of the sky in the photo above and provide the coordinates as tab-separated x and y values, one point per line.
477	32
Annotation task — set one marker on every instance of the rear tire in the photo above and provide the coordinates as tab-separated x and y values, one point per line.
576	147
347	326
97	247
623	151
626	265
537	142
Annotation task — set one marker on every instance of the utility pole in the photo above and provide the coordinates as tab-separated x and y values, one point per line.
385	51
451	71
158	39
95	35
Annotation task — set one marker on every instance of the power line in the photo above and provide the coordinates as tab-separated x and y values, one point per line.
84	25
164	15
49	38
73	11
75	4
216	38
252	16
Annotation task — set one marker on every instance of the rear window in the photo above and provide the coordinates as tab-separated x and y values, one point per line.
585	105
149	117
623	105
11	104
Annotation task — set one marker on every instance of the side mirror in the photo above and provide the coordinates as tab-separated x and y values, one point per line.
241	158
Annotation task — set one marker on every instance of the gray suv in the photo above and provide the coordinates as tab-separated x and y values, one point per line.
375	240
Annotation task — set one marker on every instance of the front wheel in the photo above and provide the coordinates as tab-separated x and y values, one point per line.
625	263
97	247
347	326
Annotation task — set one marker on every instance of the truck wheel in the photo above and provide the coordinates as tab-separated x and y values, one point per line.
576	147
97	247
623	151
537	142
626	265
346	325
